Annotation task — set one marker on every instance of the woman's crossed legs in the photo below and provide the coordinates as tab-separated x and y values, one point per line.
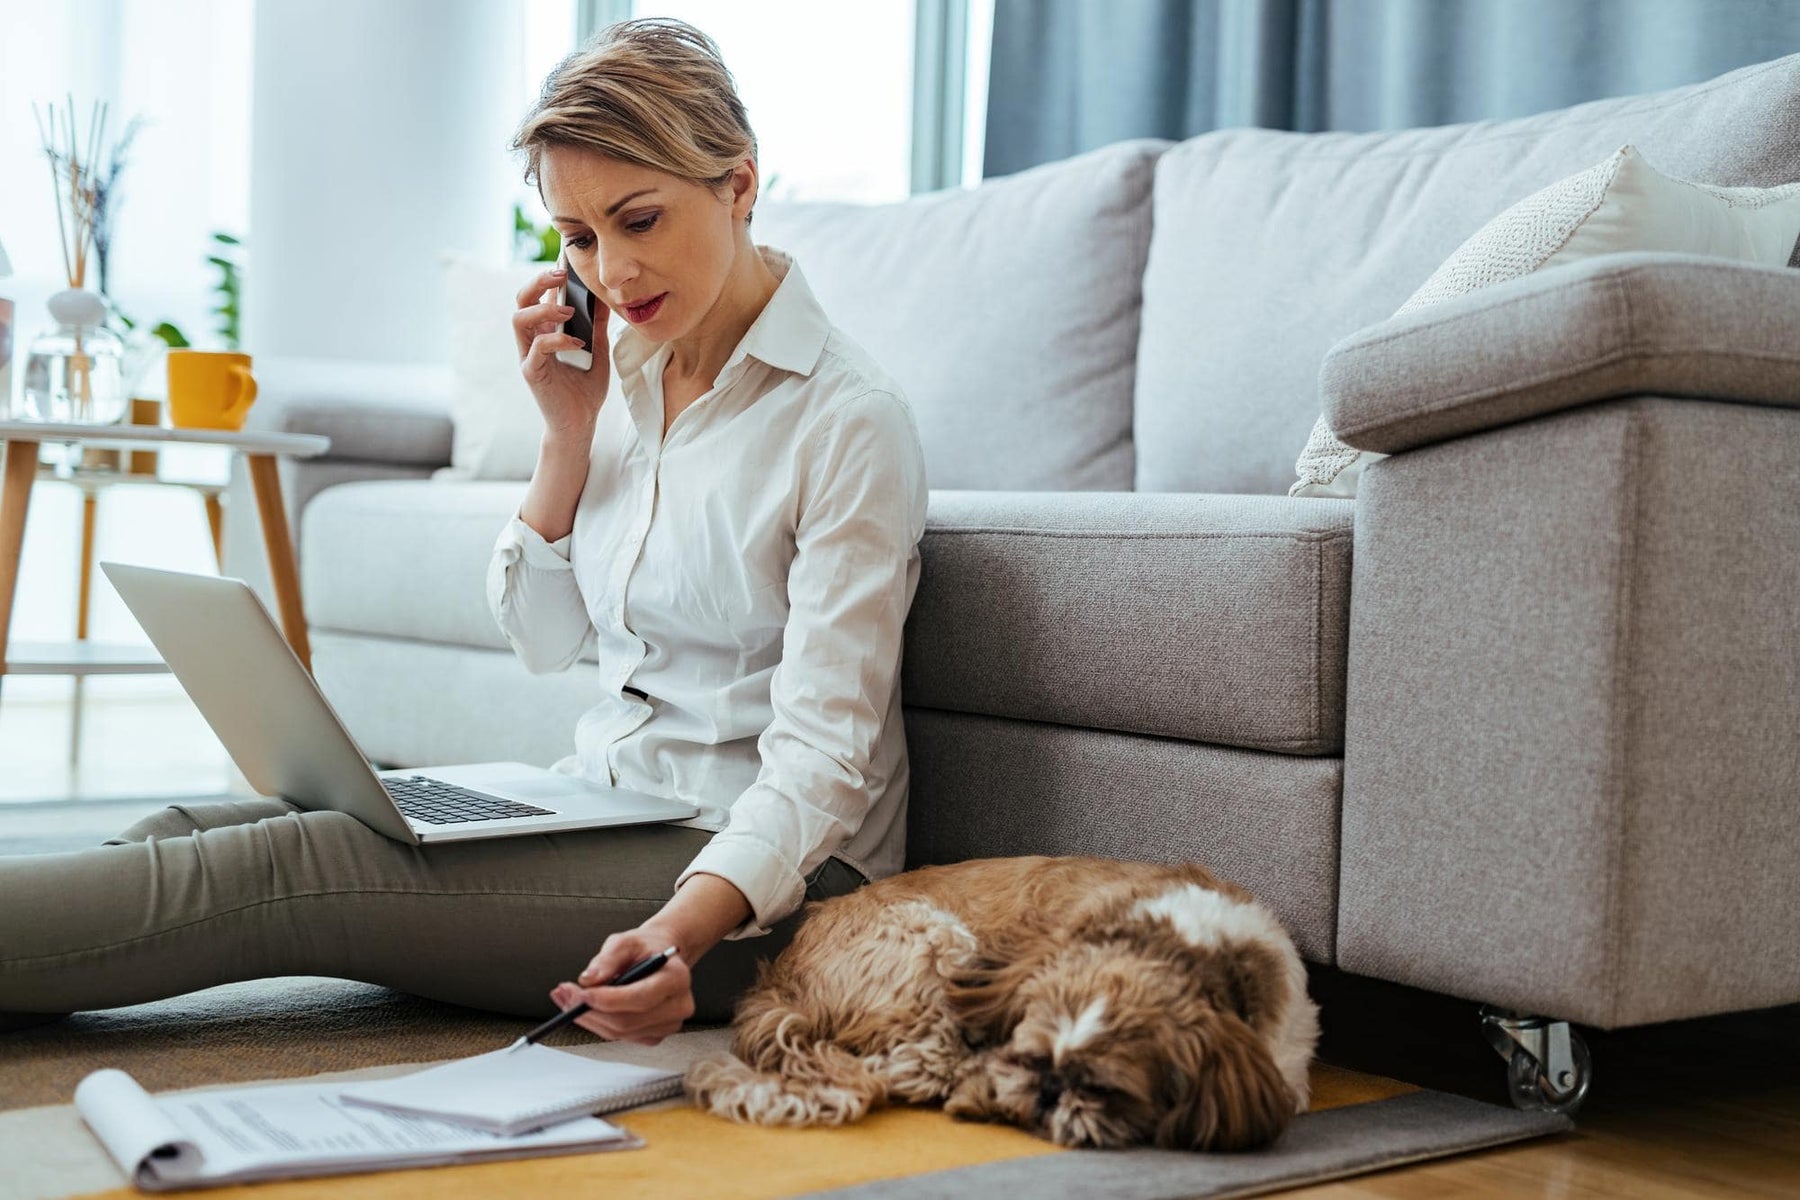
203	894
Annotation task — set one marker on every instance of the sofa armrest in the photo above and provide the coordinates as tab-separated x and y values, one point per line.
393	414
1664	324
1570	753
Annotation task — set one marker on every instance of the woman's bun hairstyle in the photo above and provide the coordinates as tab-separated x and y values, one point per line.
653	92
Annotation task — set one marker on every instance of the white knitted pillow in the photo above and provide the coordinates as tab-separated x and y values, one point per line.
1619	205
496	427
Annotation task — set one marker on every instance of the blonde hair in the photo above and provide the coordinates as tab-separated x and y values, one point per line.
652	92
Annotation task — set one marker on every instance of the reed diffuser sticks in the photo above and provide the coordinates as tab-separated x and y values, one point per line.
73	161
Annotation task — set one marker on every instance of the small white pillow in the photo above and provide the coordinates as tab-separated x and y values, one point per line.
497	427
1622	204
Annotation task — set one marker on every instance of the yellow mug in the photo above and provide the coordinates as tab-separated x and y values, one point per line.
209	389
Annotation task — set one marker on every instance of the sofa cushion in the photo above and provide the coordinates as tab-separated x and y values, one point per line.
986	786
391	413
1211	618
406	559
1269	239
1008	312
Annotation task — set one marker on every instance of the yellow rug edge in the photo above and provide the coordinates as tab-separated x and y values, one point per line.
764	1163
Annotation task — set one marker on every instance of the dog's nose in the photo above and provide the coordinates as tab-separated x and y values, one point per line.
1050	1090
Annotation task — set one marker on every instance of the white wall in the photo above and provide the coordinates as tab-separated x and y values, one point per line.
378	140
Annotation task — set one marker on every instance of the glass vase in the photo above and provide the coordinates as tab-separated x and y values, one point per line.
74	373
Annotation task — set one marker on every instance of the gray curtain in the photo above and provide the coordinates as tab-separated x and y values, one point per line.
1070	75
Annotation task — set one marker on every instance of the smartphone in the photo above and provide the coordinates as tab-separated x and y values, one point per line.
575	294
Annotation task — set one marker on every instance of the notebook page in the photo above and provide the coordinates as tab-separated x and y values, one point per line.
273	1131
241	1130
506	1086
131	1126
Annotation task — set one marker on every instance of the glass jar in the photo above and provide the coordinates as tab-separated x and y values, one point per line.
75	372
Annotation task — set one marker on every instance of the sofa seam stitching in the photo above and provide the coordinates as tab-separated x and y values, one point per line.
1624	593
1142	535
1294	747
1318	719
1123	732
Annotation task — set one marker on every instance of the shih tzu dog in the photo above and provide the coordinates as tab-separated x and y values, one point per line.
1090	1001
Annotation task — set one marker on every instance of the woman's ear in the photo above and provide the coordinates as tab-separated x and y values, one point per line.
745	183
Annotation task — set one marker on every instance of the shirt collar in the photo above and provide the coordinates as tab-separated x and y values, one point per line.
789	334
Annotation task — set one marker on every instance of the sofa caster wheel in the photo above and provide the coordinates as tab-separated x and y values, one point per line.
1548	1068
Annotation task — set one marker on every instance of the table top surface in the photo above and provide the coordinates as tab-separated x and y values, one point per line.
294	445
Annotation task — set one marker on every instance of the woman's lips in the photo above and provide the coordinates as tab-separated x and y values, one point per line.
638	314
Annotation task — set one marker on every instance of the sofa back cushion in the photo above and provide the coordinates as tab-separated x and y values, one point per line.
1270	246
1008	312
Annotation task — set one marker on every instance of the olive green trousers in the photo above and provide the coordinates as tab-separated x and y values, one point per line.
208	893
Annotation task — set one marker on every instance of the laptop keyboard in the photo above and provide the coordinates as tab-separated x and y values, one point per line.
438	803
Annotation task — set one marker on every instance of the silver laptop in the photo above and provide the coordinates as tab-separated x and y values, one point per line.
231	658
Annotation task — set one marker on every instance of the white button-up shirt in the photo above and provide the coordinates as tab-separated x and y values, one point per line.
749	575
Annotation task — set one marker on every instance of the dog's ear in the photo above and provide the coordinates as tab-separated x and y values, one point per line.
1223	1090
1243	976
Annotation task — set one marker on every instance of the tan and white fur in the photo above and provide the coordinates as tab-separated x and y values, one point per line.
1091	1001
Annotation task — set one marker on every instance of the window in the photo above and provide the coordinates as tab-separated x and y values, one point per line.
827	85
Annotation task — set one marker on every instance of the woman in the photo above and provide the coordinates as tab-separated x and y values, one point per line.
737	531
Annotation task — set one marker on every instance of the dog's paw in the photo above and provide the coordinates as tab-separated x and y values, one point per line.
973	1099
728	1087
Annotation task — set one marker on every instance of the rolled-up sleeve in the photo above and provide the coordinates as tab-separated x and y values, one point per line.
532	593
856	547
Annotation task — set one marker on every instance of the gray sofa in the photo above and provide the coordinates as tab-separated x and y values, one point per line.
1517	724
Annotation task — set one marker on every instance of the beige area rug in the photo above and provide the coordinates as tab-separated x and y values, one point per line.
284	1029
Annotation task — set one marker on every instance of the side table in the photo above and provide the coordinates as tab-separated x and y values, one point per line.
81	658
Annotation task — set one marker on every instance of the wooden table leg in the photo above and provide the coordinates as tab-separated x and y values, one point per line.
15	500
282	568
89	504
215	519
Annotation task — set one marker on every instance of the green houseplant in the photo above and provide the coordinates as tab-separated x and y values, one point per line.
534	243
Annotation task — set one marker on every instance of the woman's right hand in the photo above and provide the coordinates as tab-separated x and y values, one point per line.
569	397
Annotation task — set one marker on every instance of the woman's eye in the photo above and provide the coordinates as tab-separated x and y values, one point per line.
644	225
579	243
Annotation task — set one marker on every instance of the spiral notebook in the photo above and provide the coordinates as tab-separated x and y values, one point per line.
291	1129
510	1091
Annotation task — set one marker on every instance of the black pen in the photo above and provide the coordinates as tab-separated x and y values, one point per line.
633	973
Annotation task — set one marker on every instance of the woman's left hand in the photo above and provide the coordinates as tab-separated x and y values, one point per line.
645	1012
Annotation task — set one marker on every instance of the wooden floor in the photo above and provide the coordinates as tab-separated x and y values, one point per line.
1703	1108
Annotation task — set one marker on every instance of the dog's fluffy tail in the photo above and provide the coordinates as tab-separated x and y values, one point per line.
787	1075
